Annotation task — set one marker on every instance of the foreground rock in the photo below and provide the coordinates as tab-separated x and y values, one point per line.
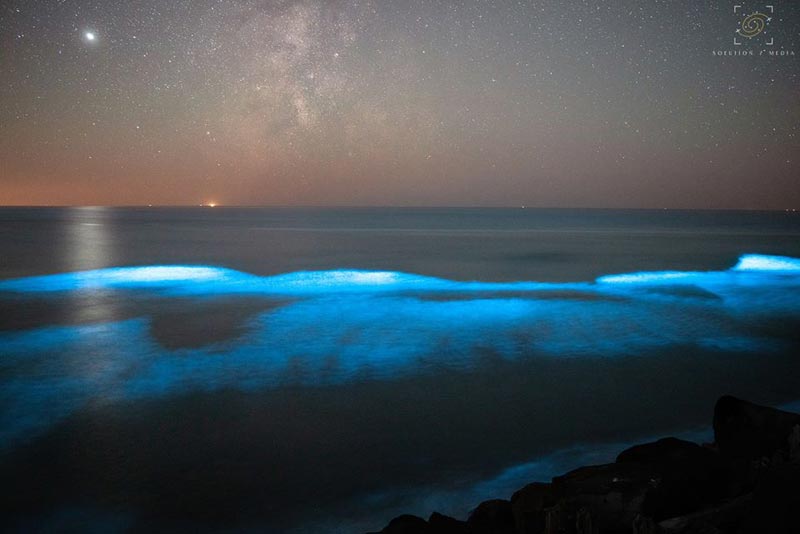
748	481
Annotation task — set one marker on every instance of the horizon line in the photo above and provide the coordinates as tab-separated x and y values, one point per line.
213	206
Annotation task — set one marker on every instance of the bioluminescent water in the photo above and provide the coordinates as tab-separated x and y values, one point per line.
335	327
202	394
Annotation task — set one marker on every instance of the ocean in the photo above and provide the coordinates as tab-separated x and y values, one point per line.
324	370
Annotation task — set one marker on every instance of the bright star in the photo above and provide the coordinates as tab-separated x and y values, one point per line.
90	36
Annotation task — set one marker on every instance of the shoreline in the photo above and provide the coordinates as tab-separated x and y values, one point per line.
746	481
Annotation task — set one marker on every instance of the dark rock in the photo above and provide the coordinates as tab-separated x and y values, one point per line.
725	518
747	483
794	444
584	524
666	478
775	507
683	476
492	517
442	524
645	525
406	524
528	507
603	498
749	431
750	438
663	452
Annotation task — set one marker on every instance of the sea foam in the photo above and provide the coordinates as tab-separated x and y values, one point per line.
345	326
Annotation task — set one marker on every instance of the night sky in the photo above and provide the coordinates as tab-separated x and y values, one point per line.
478	103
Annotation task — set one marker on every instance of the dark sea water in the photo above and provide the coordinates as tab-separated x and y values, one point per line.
323	370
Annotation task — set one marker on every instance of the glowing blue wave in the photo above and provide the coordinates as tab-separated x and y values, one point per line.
350	325
189	279
153	277
759	262
759	266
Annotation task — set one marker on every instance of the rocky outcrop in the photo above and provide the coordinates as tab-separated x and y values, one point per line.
492	517
747	481
407	524
753	438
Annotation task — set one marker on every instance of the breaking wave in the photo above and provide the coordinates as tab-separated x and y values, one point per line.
336	327
189	279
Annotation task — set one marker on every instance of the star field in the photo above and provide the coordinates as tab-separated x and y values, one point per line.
548	103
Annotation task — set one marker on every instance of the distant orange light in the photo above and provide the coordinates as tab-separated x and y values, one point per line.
211	205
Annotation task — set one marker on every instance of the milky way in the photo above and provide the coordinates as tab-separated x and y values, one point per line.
605	104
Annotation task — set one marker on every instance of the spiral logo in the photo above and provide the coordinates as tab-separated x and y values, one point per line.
753	24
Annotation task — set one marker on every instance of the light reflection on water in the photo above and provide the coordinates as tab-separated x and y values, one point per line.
89	241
